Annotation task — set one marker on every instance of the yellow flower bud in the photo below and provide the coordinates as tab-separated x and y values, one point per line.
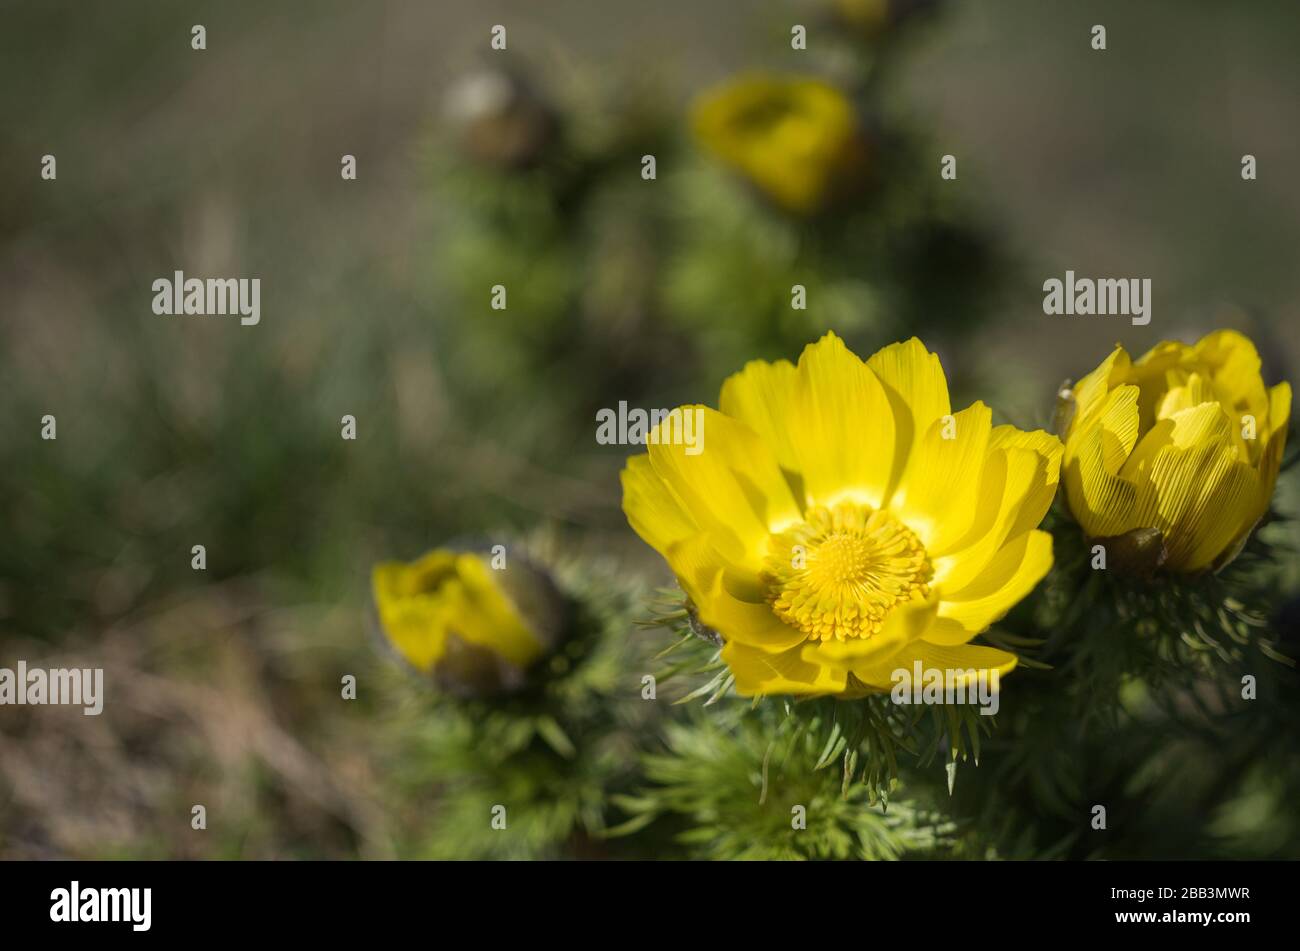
473	628
1185	440
798	140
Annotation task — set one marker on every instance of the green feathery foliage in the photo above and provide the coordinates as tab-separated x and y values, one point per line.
733	786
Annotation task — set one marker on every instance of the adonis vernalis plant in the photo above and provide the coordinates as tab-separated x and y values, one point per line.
842	523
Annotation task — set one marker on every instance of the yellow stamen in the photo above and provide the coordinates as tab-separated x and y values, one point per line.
842	570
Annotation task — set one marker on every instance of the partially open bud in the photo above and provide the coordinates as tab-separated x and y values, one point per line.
474	629
1185	443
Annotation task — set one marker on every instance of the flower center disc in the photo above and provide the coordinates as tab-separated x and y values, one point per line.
841	571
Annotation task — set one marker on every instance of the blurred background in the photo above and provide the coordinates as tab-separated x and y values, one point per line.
522	168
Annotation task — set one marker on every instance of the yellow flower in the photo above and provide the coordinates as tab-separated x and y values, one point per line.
838	523
1186	441
799	140
448	615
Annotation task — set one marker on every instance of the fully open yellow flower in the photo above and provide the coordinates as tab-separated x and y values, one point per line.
447	614
799	140
1186	440
840	523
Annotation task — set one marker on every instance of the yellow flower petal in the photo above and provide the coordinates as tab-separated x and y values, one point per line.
1235	365
759	673
484	616
938	495
749	623
1091	391
967	662
917	389
1176	499
1279	408
1226	510
1270	457
1010	576
415	627
1101	500
696	564
1013	478
650	507
1049	449
967	658
733	488
845	434
762	397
